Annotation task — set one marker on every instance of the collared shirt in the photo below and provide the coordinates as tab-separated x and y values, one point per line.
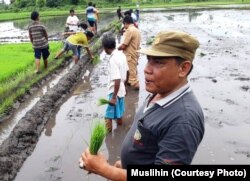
167	133
118	68
171	98
132	39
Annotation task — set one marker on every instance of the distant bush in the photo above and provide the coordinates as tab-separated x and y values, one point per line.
40	3
75	2
53	3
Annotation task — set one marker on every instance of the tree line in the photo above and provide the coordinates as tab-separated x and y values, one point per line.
57	3
44	3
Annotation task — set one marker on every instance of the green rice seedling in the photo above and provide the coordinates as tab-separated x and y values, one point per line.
17	71
102	101
97	136
150	40
96	60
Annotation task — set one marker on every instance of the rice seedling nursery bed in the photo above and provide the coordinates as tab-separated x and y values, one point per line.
17	71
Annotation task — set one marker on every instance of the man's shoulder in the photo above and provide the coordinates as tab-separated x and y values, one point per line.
133	29
118	53
36	25
118	56
81	34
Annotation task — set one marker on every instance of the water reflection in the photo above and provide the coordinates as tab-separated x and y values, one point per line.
9	33
192	15
49	126
170	17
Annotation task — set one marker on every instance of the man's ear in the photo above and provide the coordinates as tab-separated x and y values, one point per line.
185	68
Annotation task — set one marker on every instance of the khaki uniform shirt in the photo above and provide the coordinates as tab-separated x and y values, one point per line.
132	39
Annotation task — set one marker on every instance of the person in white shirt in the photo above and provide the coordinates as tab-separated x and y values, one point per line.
72	21
118	76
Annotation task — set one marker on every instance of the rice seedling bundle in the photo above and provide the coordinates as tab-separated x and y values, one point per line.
97	136
102	101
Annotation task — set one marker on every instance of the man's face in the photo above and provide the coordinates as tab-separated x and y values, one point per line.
164	75
89	38
107	51
126	25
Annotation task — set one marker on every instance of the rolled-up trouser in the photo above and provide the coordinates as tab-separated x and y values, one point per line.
132	65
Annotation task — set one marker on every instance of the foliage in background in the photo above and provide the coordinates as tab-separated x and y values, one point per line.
40	3
53	3
61	7
75	2
110	3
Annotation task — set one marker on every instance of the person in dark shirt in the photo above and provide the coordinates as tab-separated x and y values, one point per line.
169	126
119	13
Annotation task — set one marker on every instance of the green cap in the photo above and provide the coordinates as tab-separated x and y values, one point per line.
173	44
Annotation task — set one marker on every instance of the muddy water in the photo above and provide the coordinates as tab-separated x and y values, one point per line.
67	134
16	31
220	80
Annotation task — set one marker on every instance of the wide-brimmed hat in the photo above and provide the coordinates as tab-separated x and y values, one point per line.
172	44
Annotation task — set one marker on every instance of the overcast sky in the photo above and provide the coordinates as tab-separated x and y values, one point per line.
6	1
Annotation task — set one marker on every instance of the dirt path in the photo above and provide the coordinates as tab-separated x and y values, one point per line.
220	80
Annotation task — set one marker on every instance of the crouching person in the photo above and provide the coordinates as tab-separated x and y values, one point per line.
74	41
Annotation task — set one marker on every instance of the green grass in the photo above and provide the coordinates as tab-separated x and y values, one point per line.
17	71
26	15
14	59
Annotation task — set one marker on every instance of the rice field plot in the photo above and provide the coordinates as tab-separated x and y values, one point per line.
17	70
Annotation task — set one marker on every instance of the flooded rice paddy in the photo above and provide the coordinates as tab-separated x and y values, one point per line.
220	80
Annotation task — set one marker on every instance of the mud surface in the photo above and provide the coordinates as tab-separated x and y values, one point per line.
65	136
220	80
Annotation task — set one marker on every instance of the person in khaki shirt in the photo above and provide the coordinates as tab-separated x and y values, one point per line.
130	45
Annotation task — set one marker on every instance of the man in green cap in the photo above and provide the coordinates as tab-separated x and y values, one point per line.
169	126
